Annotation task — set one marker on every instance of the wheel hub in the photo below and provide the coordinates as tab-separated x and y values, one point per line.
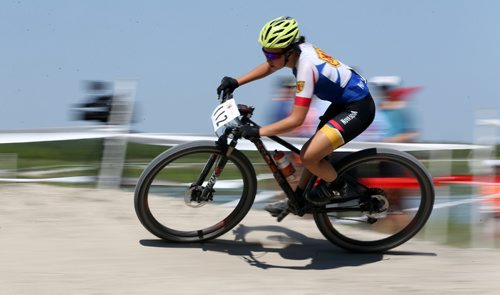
193	196
378	204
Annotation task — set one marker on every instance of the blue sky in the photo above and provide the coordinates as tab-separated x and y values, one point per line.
179	50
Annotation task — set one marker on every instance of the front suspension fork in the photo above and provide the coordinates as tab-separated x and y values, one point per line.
220	164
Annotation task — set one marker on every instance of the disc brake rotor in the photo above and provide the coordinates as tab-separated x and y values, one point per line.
192	197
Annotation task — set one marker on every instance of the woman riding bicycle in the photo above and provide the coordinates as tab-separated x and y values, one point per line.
351	111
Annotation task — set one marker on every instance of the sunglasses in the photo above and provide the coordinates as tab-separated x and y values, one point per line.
272	55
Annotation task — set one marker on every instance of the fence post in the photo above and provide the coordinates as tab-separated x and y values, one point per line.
440	164
115	145
485	134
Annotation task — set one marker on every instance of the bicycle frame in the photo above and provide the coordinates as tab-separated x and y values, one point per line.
266	156
359	170
278	175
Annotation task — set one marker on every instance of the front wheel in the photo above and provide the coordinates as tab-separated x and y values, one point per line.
397	196
169	198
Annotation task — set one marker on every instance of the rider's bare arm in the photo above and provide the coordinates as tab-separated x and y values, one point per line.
294	120
258	72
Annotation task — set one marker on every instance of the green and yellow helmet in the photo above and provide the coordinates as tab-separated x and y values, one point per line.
280	32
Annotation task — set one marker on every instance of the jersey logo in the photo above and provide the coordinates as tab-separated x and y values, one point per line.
326	57
300	86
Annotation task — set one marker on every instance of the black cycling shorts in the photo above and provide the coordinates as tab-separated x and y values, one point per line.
341	123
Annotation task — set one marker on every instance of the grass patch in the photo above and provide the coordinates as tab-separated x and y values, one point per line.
87	152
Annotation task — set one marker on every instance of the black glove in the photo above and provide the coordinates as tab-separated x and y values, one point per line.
248	131
227	85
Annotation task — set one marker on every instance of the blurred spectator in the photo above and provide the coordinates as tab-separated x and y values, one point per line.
393	108
282	100
491	189
98	105
394	122
282	103
378	129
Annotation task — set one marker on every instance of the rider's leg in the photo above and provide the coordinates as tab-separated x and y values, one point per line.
313	155
320	148
313	159
338	125
306	174
276	208
335	130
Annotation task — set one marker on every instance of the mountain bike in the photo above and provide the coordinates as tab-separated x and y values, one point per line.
199	190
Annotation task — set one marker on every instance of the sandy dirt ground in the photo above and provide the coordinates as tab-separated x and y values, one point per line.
56	240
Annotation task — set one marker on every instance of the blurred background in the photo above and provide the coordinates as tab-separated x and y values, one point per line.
92	90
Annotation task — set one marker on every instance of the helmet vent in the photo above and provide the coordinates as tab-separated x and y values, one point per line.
285	40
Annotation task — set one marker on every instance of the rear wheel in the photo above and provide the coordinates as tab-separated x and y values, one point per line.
397	196
170	204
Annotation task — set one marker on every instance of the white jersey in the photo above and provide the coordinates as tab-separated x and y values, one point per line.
320	74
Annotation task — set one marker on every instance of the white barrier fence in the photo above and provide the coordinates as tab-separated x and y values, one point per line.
117	135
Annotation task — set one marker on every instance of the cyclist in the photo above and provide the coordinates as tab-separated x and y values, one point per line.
351	110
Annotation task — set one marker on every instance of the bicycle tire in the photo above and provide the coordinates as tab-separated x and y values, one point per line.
342	239
156	223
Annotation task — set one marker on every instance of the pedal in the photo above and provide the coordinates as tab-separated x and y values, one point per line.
307	208
282	215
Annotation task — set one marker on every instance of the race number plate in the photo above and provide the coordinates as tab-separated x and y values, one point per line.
224	113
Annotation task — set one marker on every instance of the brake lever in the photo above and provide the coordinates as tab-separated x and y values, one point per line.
223	96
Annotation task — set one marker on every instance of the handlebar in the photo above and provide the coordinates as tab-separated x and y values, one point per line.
223	96
245	113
